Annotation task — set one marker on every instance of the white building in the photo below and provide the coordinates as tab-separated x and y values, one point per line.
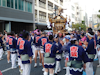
43	9
70	12
74	11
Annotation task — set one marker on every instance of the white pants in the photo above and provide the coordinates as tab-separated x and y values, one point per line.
13	60
33	50
20	63
98	54
1	53
89	68
57	66
26	69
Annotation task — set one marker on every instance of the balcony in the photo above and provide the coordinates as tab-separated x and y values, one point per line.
36	19
61	3
42	20
43	5
50	8
56	1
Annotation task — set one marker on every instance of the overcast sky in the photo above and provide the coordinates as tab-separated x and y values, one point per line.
91	6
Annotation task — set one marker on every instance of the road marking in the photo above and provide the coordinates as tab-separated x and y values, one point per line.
7	69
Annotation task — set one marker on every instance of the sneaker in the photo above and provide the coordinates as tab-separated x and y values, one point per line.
43	69
64	68
14	67
9	62
59	71
35	65
40	64
21	72
98	65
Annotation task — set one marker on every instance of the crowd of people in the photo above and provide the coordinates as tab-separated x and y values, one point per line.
78	48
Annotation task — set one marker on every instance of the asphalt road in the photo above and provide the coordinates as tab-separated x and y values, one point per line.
6	68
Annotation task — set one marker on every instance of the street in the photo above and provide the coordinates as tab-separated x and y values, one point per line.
6	68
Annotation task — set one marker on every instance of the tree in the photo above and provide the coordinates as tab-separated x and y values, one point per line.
79	26
98	15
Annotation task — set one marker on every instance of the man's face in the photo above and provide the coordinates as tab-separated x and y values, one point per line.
76	42
98	33
32	34
56	39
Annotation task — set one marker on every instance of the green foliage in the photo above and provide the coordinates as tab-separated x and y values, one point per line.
98	15
79	26
83	22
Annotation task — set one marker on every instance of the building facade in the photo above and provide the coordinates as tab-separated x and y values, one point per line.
70	12
16	15
44	9
74	11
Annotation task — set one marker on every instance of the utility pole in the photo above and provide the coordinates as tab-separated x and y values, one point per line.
55	8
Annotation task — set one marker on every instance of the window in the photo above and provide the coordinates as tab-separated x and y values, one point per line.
29	7
35	13
21	4
16	4
26	6
0	2
72	15
77	13
42	15
72	7
8	3
77	8
4	2
12	3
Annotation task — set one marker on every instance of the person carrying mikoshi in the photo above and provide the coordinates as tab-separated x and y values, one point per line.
49	56
41	42
91	52
58	54
13	45
77	58
36	38
66	54
25	52
1	48
19	59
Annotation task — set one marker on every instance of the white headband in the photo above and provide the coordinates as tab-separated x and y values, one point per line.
89	34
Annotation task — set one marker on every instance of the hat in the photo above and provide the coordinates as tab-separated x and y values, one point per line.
73	39
91	34
67	37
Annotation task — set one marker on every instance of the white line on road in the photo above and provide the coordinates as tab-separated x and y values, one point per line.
7	69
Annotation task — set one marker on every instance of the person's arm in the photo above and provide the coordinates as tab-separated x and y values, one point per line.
60	50
29	51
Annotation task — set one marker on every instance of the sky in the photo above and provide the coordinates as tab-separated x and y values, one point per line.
90	6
